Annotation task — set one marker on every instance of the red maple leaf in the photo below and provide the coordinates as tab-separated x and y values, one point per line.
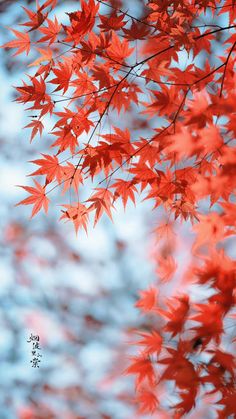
51	31
63	75
102	201
147	300
38	198
142	366
37	126
125	190
22	42
78	214
49	166
177	312
147	400
152	342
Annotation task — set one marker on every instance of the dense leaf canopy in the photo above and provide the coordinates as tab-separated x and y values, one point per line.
146	106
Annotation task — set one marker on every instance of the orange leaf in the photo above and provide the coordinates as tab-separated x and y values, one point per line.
37	127
22	42
142	366
78	214
38	198
101	202
148	300
49	167
152	341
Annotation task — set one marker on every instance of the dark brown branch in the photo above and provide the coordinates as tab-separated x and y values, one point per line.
215	31
226	63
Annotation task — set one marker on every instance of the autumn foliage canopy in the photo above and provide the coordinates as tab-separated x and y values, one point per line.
145	107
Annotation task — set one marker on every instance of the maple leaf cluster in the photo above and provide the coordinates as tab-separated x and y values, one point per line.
177	150
187	340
